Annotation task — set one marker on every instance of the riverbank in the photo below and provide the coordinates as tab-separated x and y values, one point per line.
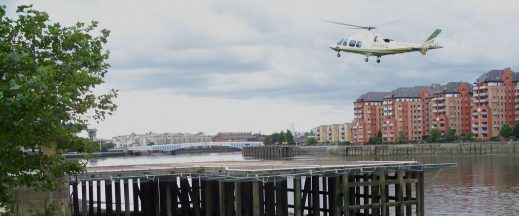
416	149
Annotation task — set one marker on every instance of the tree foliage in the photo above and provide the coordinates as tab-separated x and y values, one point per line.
311	141
451	135
47	76
516	130
280	138
435	135
379	136
290	138
506	131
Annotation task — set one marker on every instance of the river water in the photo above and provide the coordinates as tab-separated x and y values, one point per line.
479	185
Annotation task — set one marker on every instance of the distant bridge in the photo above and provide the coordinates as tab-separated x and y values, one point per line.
200	145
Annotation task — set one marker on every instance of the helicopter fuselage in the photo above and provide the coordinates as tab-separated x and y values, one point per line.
371	44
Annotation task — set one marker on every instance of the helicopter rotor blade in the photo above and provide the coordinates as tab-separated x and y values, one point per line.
345	24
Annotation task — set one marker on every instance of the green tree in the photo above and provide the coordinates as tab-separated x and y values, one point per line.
435	135
467	137
311	141
379	136
290	138
372	140
275	138
268	140
47	76
516	130
506	131
282	137
451	135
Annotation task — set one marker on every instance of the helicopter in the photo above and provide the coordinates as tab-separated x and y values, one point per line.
369	43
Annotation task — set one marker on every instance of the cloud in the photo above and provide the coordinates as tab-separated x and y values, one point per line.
278	50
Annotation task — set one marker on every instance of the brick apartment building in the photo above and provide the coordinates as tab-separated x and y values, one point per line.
495	102
367	119
405	114
450	108
408	113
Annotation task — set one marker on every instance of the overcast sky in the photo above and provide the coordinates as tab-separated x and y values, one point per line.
211	66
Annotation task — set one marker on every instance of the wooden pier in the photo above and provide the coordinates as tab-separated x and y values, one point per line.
257	188
270	151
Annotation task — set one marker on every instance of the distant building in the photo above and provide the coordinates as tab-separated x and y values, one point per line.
234	137
495	102
334	133
159	139
409	113
92	133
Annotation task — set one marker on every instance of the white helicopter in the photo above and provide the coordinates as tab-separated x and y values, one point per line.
369	43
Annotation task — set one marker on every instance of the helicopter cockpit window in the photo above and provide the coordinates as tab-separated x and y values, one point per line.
352	43
387	40
339	43
359	44
345	43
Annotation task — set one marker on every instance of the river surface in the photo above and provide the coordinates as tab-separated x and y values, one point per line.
479	185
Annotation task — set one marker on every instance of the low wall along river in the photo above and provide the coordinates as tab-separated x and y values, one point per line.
416	149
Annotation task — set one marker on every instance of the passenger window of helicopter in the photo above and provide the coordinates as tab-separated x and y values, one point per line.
345	43
359	44
339	43
387	40
375	40
352	43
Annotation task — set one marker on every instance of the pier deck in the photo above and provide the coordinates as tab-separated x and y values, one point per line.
253	188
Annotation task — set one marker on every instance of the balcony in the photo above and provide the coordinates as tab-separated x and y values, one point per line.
475	126
484	94
483	100
483	87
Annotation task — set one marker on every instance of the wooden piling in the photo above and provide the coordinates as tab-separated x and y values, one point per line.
270	199
108	196
75	199
84	198
136	192
98	198
126	197
297	197
91	198
195	182
238	199
117	186
316	204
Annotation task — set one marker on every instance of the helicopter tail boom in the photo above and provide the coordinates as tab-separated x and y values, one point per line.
429	43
